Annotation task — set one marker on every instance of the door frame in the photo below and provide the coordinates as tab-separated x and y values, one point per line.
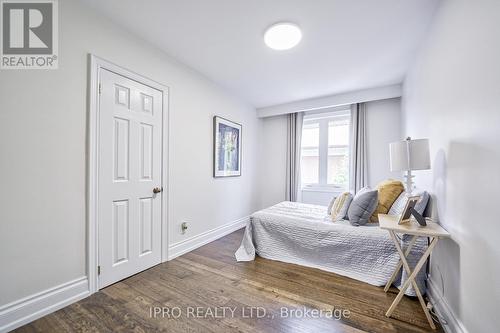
95	65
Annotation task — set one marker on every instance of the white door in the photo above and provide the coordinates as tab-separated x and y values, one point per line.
130	162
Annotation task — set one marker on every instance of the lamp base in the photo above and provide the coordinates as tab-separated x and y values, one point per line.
409	182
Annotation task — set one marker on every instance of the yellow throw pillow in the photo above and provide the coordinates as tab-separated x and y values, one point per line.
388	191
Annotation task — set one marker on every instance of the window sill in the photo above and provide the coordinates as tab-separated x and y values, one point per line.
324	189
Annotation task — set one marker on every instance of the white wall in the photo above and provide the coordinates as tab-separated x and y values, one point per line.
318	197
383	126
452	97
43	119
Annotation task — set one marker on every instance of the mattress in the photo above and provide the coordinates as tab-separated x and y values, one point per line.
304	234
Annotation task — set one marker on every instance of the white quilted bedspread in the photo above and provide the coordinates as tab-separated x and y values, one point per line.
303	234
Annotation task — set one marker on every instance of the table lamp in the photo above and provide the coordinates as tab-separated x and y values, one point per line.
410	155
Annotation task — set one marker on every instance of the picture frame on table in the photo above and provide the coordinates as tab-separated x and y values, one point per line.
411	202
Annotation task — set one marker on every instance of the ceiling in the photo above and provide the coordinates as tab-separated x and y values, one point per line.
347	45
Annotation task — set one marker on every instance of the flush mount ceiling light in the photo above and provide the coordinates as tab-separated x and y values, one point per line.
282	36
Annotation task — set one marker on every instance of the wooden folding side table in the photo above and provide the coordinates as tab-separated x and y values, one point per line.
432	230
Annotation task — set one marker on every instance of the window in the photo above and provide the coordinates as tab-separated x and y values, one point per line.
309	163
325	150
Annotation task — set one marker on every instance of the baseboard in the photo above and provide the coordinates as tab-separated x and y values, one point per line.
453	323
195	242
25	310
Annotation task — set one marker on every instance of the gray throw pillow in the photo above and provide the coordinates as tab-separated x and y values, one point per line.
362	206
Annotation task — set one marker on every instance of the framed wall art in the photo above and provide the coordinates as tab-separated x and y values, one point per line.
227	148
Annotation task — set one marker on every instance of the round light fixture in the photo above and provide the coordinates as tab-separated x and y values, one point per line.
282	36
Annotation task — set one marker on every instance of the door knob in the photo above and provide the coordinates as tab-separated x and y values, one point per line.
157	190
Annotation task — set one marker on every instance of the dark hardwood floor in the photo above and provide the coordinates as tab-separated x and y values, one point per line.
190	293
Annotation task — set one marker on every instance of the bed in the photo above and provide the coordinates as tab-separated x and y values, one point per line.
303	234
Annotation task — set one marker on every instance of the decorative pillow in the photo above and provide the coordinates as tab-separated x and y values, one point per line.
338	206
330	205
399	205
362	206
388	191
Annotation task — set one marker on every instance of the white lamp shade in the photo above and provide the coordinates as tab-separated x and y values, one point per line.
399	156
410	155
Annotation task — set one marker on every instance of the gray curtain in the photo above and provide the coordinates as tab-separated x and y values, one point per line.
293	138
358	173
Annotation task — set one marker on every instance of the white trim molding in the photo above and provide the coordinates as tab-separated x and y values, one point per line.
25	310
95	65
359	96
443	309
190	244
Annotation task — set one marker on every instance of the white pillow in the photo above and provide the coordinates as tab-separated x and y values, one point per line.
399	205
338	206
